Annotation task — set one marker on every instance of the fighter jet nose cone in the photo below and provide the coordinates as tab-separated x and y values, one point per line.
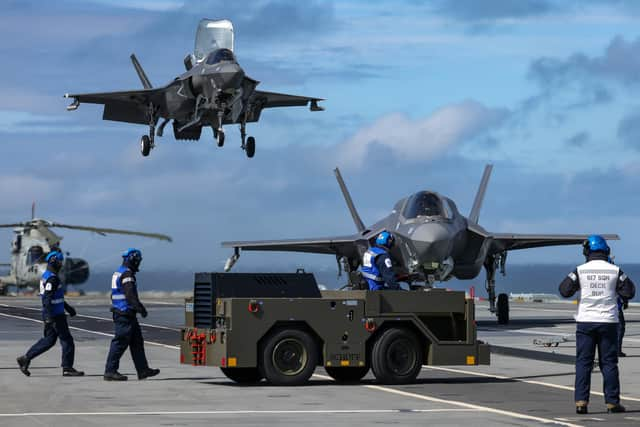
229	76
433	241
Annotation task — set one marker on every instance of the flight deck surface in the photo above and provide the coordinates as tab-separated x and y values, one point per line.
526	384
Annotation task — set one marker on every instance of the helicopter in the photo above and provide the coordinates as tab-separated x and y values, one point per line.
32	242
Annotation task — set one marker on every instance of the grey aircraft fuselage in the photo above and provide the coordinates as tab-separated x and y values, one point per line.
434	241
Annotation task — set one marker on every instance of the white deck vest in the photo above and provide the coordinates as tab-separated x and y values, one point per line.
598	296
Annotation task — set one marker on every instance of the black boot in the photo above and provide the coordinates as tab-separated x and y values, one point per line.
114	376
71	372
149	372
23	363
581	407
614	408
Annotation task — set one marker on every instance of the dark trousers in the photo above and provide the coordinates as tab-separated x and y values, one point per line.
127	334
59	328
621	330
604	336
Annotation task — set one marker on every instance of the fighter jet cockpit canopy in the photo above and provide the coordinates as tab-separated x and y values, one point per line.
213	35
425	204
219	56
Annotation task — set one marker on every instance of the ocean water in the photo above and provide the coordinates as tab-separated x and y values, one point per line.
538	278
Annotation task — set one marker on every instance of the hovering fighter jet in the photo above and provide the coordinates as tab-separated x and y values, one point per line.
434	242
213	92
34	240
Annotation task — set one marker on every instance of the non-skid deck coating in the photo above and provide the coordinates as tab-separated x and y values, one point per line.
512	391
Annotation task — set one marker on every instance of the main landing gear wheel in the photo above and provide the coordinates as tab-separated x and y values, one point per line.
220	138
242	375
251	147
145	145
502	310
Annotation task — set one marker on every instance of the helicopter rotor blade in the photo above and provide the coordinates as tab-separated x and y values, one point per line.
18	224
105	231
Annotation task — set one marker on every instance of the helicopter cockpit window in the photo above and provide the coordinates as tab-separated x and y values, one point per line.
17	244
34	255
423	204
220	55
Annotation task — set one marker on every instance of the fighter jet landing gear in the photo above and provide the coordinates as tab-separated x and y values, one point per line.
145	145
219	133
503	309
248	144
491	264
147	141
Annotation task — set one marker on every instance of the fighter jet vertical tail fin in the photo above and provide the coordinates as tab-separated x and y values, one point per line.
347	198
477	203
143	76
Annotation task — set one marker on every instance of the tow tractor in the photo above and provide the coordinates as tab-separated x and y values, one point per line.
281	327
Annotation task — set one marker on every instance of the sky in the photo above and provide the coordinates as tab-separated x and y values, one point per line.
419	95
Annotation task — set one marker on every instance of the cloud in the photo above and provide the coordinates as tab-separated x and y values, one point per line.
490	11
425	138
578	140
629	130
619	63
21	190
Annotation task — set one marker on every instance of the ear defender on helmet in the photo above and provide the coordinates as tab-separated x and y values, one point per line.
385	239
132	256
55	259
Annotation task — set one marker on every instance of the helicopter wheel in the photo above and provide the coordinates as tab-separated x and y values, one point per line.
251	147
220	138
145	145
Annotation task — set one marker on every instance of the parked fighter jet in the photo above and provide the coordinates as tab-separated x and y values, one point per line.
213	92
434	242
34	240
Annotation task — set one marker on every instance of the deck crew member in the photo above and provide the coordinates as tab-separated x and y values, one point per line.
600	284
125	304
55	320
377	265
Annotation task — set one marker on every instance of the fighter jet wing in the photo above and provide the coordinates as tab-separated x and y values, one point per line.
273	99
508	241
342	245
129	106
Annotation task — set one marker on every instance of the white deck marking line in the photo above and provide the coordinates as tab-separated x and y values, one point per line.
570	334
502	377
527	331
462	404
91	317
173	347
163	303
241	412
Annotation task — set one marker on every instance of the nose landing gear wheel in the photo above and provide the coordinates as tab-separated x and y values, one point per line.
145	145
220	138
251	147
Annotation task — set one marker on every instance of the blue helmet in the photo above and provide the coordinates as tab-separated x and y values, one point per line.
385	239
595	243
54	256
131	254
132	258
